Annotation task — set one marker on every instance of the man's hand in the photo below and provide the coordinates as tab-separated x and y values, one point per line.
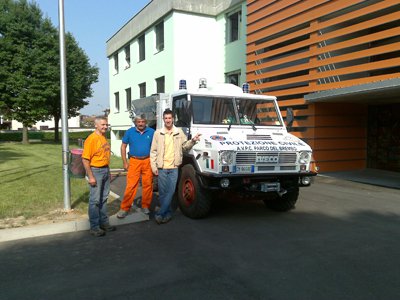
92	181
196	138
126	165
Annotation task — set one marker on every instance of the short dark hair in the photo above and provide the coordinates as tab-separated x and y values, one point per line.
167	112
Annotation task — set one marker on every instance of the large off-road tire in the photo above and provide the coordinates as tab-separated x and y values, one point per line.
194	201
285	202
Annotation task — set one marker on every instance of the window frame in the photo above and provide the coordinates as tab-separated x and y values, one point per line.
142	48
116	102
128	95
160	80
159	39
237	73
127	50
142	90
232	35
116	63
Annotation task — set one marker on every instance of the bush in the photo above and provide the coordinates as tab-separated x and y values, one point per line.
16	136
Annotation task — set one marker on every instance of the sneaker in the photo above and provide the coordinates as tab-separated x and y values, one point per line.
122	214
108	227
146	211
158	219
166	219
97	232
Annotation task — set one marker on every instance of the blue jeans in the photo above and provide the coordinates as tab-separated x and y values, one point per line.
167	179
98	198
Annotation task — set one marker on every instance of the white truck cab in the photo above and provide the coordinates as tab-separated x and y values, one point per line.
245	148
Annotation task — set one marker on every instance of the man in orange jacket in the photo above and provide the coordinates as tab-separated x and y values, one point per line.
139	139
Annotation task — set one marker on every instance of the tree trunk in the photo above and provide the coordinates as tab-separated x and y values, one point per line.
56	132
25	138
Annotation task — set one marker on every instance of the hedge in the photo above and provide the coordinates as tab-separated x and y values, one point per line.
16	136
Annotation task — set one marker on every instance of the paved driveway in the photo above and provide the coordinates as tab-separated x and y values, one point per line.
341	242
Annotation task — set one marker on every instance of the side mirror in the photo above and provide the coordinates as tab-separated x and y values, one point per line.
289	117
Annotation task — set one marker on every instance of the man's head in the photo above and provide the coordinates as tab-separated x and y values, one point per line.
140	122
101	124
168	118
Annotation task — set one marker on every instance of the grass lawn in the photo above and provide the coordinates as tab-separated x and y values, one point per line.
31	180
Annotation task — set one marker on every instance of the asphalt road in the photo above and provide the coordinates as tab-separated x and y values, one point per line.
341	242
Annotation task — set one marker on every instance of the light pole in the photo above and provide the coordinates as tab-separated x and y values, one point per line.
64	108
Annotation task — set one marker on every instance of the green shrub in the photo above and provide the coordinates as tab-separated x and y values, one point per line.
16	136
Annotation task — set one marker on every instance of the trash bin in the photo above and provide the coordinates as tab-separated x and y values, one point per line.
76	167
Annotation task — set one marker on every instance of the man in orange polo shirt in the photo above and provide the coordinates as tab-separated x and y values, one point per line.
96	160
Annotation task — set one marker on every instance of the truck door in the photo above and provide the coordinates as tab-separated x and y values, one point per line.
182	113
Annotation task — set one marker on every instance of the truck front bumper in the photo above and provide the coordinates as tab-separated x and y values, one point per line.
256	183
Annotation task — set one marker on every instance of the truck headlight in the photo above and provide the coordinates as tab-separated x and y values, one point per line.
306	180
226	157
304	157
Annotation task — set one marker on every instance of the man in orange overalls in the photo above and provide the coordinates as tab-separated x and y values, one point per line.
139	139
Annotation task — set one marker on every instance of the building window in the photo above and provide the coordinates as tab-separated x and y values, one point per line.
116	98
160	81
116	68
142	48
128	99
160	37
233	26
142	90
127	56
233	77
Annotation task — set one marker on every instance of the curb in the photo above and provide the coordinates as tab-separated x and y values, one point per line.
32	231
13	234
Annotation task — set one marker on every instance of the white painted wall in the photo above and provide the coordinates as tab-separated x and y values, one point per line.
194	47
73	122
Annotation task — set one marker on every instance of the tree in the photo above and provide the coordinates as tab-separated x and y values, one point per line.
30	68
80	77
23	94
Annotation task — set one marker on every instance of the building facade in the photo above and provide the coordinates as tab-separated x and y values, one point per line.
337	64
170	40
73	122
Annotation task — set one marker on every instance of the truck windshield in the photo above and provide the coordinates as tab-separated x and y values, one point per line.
258	112
234	111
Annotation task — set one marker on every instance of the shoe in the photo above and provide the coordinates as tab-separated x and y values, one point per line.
108	227
158	219
146	211
122	214
97	232
166	219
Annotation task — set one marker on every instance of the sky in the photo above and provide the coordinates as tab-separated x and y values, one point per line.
92	23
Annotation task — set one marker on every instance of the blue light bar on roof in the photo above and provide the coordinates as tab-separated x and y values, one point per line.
246	88
182	84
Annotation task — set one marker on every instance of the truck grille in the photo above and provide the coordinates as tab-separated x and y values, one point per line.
288	168
252	137
262	158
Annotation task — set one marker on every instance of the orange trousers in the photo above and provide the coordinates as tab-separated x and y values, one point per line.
138	168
